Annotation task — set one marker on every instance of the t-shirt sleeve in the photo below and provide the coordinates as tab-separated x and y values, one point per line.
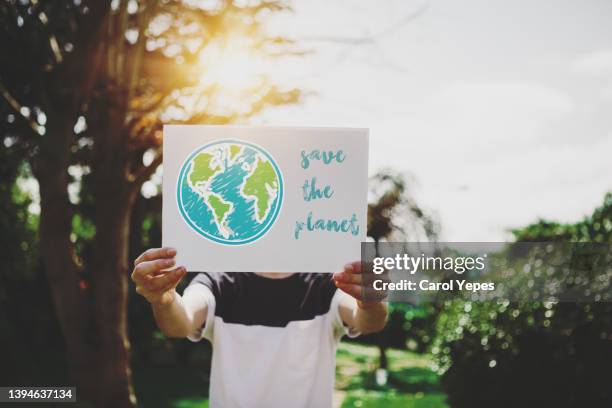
199	301
339	328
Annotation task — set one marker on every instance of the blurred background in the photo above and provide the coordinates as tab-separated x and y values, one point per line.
490	121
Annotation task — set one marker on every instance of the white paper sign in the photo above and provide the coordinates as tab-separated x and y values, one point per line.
264	199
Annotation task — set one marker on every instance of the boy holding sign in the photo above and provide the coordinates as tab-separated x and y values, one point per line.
274	333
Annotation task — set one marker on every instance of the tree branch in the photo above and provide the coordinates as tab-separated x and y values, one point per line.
371	39
16	106
144	18
53	44
145	172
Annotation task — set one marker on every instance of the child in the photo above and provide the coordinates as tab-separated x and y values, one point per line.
274	335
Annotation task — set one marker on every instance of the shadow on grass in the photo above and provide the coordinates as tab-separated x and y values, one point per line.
404	380
415	379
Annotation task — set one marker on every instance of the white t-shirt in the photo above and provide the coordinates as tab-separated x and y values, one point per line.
274	340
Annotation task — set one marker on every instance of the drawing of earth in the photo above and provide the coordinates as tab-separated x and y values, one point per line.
230	191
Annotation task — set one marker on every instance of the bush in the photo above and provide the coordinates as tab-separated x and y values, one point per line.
540	354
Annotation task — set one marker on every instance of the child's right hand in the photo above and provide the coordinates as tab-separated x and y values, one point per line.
154	278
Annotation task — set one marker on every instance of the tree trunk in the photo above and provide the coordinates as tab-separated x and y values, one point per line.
113	198
58	253
381	341
92	313
94	318
382	348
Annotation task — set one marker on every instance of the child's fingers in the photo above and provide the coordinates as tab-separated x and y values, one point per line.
167	279
143	269
162	295
155	253
344	277
172	284
353	267
352	290
359	292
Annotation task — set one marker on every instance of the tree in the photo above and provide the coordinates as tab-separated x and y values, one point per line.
393	214
558	353
89	85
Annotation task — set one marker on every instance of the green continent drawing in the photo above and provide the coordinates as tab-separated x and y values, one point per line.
261	184
234	150
202	170
220	207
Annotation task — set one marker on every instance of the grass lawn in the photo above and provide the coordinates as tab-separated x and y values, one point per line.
411	383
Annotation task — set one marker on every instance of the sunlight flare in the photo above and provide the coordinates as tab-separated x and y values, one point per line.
231	65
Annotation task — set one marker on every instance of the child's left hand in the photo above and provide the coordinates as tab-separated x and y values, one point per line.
350	281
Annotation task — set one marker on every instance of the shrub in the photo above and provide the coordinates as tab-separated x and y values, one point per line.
535	354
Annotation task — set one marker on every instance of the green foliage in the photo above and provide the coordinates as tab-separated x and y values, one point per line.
547	353
18	225
408	326
30	343
191	403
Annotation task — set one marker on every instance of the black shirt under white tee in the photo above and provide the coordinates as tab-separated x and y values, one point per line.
274	340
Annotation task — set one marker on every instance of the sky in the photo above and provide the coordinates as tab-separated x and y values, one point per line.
500	112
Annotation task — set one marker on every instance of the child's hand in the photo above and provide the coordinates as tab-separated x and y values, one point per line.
153	277
350	280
